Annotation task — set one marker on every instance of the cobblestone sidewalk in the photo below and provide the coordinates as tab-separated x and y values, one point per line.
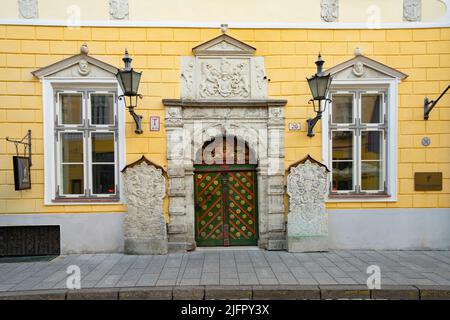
233	267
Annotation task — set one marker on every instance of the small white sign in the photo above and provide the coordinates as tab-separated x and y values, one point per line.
294	126
154	123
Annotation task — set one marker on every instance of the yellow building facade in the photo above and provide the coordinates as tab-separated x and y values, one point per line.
403	219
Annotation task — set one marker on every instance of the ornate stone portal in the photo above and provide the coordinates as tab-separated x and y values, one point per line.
224	93
145	228
307	185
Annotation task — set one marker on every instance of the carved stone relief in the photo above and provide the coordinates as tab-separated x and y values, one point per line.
224	78
118	9
83	67
358	69
28	9
144	225
412	10
223	68
307	219
329	10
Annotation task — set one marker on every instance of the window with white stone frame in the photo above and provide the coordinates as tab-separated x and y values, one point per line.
358	150
86	145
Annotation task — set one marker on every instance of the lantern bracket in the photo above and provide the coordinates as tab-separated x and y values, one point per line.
312	122
428	105
137	118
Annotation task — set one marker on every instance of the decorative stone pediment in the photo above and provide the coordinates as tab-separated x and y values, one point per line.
223	44
79	65
362	67
223	68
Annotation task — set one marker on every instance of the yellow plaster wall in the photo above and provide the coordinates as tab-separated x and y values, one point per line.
424	54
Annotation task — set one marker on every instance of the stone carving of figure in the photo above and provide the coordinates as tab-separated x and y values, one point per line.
28	9
358	69
83	67
329	10
412	10
118	9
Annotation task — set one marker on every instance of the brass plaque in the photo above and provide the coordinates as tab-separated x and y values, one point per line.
428	181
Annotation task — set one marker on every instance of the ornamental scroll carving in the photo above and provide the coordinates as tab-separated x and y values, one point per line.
224	78
144	190
307	189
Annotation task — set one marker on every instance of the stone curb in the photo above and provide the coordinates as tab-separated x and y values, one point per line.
334	292
262	292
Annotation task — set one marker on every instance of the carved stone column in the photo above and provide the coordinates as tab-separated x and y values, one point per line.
275	172
181	238
145	228
307	185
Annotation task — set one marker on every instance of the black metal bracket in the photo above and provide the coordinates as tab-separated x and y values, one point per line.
137	118
312	122
428	105
27	144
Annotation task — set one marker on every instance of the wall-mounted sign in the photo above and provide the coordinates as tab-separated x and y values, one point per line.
294	126
428	181
154	123
22	179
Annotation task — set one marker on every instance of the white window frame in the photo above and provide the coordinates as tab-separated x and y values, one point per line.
50	86
391	102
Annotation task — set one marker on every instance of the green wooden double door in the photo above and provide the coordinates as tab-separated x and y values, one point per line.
226	211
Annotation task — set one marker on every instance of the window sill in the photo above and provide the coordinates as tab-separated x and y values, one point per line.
85	201
377	197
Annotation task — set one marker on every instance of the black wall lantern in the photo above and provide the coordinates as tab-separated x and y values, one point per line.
129	82
319	84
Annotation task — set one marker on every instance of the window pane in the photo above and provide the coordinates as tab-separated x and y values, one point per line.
342	145
342	176
371	108
371	142
71	108
72	179
102	108
72	147
103	178
371	175
342	108
103	147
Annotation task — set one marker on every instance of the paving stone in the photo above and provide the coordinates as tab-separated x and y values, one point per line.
34	295
434	292
93	294
188	293
228	293
285	292
395	293
146	293
344	292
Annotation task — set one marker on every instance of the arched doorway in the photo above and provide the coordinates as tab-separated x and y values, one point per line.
226	210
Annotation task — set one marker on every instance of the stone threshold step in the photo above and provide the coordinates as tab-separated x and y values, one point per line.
261	292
